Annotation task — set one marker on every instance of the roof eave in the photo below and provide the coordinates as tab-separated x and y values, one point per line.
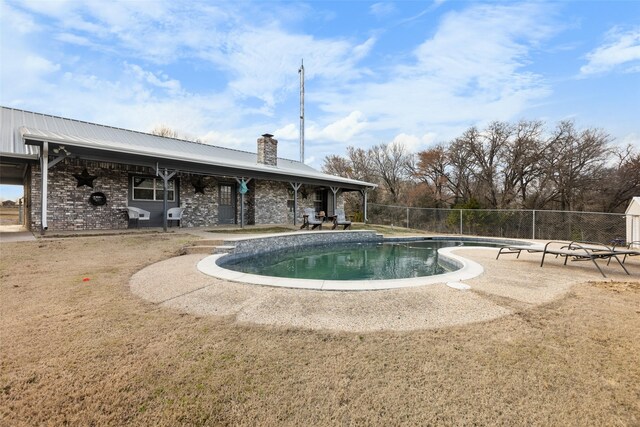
36	139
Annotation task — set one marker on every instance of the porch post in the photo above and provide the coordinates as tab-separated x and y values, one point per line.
364	203
296	186
335	190
44	185
166	176
243	183
366	192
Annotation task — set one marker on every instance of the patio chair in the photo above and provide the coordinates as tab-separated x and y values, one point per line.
574	250
175	214
310	218
632	249
340	219
138	215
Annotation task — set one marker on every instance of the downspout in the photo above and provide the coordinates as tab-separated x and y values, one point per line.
44	172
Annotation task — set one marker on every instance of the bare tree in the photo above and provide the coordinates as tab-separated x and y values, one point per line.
621	180
521	165
502	166
166	131
574	162
461	170
390	162
485	151
362	164
431	169
337	165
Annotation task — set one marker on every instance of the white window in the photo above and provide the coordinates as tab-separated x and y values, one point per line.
146	188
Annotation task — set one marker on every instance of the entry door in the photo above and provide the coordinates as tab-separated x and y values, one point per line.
227	204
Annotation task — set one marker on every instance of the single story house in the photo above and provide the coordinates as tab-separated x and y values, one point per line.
82	176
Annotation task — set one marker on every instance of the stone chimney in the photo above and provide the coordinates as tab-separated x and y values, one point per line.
268	150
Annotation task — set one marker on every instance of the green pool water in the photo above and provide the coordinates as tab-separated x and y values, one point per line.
364	261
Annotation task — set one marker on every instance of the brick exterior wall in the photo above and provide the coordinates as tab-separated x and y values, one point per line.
68	204
200	209
69	208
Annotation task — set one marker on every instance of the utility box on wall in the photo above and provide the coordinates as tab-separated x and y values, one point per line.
633	222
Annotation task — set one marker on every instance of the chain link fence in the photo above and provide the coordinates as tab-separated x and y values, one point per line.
523	224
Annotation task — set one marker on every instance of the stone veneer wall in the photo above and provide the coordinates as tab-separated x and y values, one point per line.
267	151
200	209
68	204
270	202
309	203
69	207
259	245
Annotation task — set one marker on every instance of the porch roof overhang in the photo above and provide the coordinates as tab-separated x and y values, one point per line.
14	168
204	163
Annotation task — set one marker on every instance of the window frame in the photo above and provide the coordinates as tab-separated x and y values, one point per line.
318	200
158	188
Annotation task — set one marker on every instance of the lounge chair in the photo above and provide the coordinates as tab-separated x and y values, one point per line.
573	250
619	250
340	219
138	215
310	218
175	214
628	250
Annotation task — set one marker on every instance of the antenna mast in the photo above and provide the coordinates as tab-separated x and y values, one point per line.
301	72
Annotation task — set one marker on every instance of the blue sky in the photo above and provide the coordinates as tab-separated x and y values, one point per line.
416	72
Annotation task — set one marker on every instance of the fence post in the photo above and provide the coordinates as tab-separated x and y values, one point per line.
534	225
460	221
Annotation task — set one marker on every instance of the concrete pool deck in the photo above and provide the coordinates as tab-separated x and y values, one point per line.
506	286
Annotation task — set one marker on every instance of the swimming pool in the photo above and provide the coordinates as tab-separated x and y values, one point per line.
446	266
352	261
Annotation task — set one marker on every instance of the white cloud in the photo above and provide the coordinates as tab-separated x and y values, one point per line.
262	60
471	70
39	65
411	142
382	9
632	139
345	129
73	39
414	143
120	63
222	139
620	48
159	80
289	131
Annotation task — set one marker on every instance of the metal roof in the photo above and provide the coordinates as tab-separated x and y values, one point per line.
18	126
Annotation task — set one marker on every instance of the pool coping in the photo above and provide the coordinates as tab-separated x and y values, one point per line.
468	270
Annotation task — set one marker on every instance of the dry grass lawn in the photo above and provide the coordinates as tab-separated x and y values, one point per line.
8	215
91	353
